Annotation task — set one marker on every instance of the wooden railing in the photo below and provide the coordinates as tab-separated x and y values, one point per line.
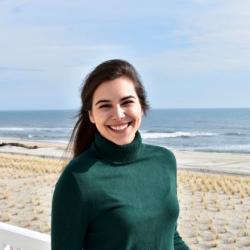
17	238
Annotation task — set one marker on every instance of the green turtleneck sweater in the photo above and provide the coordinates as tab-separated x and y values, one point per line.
117	198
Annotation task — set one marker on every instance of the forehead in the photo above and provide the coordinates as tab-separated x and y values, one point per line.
115	89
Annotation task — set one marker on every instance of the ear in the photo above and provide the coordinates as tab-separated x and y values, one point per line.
91	118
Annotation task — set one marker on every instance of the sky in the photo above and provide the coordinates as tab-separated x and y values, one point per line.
189	54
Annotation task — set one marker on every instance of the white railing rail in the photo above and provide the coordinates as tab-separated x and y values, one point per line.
17	238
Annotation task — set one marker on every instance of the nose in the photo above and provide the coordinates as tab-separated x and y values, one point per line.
118	112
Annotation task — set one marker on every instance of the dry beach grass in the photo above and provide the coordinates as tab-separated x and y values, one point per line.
214	208
26	186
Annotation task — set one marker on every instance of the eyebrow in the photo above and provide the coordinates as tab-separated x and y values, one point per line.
108	101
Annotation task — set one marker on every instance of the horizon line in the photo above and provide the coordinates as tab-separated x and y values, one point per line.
156	108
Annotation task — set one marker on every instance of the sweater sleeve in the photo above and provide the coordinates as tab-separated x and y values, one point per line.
179	244
69	215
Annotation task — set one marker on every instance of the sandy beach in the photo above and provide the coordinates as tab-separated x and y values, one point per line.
213	191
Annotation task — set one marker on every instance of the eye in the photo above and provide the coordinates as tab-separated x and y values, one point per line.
127	102
104	106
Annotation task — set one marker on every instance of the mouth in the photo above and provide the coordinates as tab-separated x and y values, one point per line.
120	127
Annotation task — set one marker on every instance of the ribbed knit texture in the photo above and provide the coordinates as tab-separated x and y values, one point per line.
115	197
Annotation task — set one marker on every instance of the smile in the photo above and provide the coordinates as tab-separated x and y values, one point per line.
119	128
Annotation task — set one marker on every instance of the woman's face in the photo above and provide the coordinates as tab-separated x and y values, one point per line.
116	110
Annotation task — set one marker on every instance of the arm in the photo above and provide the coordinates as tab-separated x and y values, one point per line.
69	215
179	244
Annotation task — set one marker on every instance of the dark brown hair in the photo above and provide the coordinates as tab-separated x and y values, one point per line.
83	132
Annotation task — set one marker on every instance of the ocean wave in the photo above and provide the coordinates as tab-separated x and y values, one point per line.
236	134
157	131
33	129
158	135
235	148
12	129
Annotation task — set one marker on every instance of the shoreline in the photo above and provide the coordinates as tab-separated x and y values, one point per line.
207	162
220	163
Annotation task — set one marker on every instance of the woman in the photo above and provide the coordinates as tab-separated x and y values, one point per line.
116	193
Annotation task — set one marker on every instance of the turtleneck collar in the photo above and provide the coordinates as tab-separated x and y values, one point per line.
117	154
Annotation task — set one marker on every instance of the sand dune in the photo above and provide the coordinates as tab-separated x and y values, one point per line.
214	208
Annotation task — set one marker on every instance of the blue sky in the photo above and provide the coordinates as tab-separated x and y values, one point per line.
190	54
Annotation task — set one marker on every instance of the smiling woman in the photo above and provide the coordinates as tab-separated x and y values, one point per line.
116	193
115	74
116	110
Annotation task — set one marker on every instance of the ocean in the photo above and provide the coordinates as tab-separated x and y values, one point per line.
207	130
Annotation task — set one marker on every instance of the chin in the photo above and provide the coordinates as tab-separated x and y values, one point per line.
124	141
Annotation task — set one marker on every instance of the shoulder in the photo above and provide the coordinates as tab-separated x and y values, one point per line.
76	169
80	163
161	156
154	150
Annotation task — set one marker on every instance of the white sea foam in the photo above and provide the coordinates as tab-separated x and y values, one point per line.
235	148
157	135
11	129
33	129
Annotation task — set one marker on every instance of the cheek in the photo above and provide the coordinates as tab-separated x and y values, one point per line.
136	112
100	117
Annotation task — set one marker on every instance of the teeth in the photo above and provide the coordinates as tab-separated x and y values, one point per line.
120	127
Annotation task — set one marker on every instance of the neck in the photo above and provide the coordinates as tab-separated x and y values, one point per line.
117	154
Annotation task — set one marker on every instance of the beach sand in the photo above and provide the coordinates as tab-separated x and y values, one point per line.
214	204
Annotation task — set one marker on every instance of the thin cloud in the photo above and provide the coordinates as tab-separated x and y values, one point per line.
9	68
164	39
20	6
217	39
